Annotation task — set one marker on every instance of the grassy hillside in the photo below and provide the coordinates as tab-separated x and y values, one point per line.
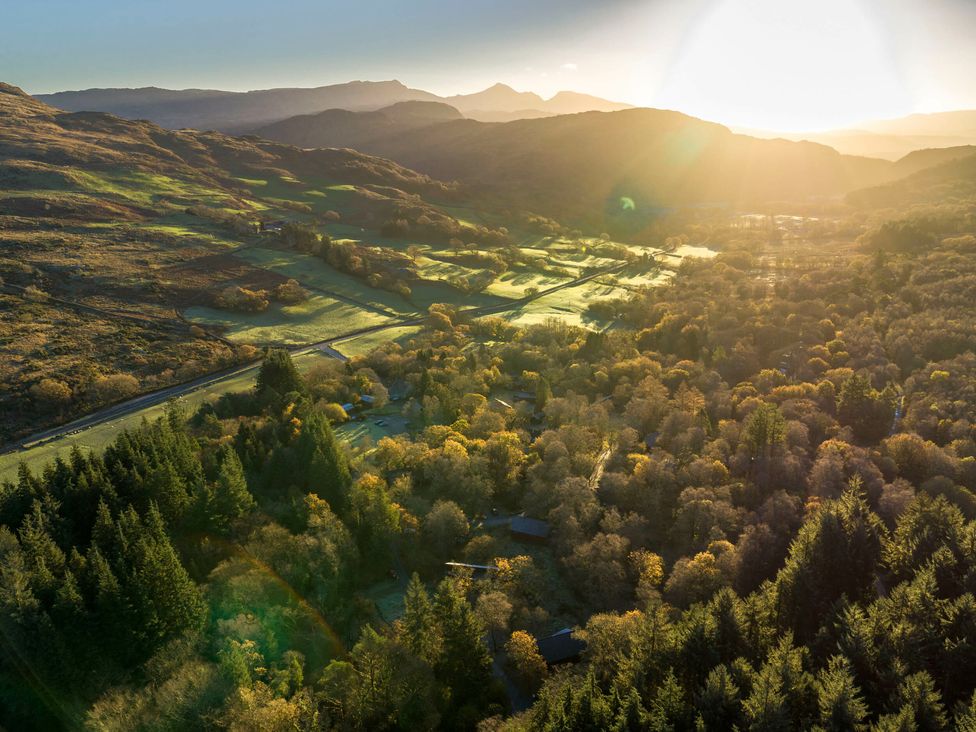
112	229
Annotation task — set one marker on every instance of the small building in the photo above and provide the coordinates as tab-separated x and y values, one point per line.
529	529
561	647
523	396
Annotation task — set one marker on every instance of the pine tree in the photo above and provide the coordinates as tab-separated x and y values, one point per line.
164	599
835	554
228	499
922	700
839	699
327	468
465	664
278	374
720	704
420	631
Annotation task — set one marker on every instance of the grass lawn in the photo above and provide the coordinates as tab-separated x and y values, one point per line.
317	318
387	596
365	432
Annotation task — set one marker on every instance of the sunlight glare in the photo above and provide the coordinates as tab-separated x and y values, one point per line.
789	65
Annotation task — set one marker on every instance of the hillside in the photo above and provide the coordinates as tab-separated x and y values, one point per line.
359	130
920	160
951	182
585	163
111	228
237	111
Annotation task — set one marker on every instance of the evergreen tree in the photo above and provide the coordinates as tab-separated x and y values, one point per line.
839	699
719	703
465	664
228	498
835	554
922	701
419	628
328	474
163	598
278	374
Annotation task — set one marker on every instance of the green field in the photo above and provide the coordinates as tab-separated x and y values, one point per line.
435	269
514	283
316	319
313	272
569	305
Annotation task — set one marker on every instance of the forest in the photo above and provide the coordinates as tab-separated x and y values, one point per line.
758	494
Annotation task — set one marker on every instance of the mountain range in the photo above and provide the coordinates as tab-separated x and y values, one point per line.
578	166
586	162
235	111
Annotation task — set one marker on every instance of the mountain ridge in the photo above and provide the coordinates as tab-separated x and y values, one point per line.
234	111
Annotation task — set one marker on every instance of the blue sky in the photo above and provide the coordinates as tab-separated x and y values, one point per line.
784	64
48	45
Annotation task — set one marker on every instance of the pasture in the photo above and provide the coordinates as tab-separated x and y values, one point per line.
317	318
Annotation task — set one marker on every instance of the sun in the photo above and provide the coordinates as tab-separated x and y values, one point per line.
790	65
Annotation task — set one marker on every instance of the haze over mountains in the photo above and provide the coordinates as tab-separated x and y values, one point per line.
234	111
894	138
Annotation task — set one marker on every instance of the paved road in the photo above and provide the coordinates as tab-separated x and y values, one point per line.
326	346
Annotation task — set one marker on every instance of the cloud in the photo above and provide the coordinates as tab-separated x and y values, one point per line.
569	67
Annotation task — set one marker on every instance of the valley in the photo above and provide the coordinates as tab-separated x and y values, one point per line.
360	407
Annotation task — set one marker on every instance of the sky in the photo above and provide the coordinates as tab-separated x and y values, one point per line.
789	65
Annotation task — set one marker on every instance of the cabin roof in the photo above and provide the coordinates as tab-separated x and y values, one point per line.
560	647
529	527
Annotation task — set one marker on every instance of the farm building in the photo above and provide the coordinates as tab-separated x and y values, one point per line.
560	647
529	529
